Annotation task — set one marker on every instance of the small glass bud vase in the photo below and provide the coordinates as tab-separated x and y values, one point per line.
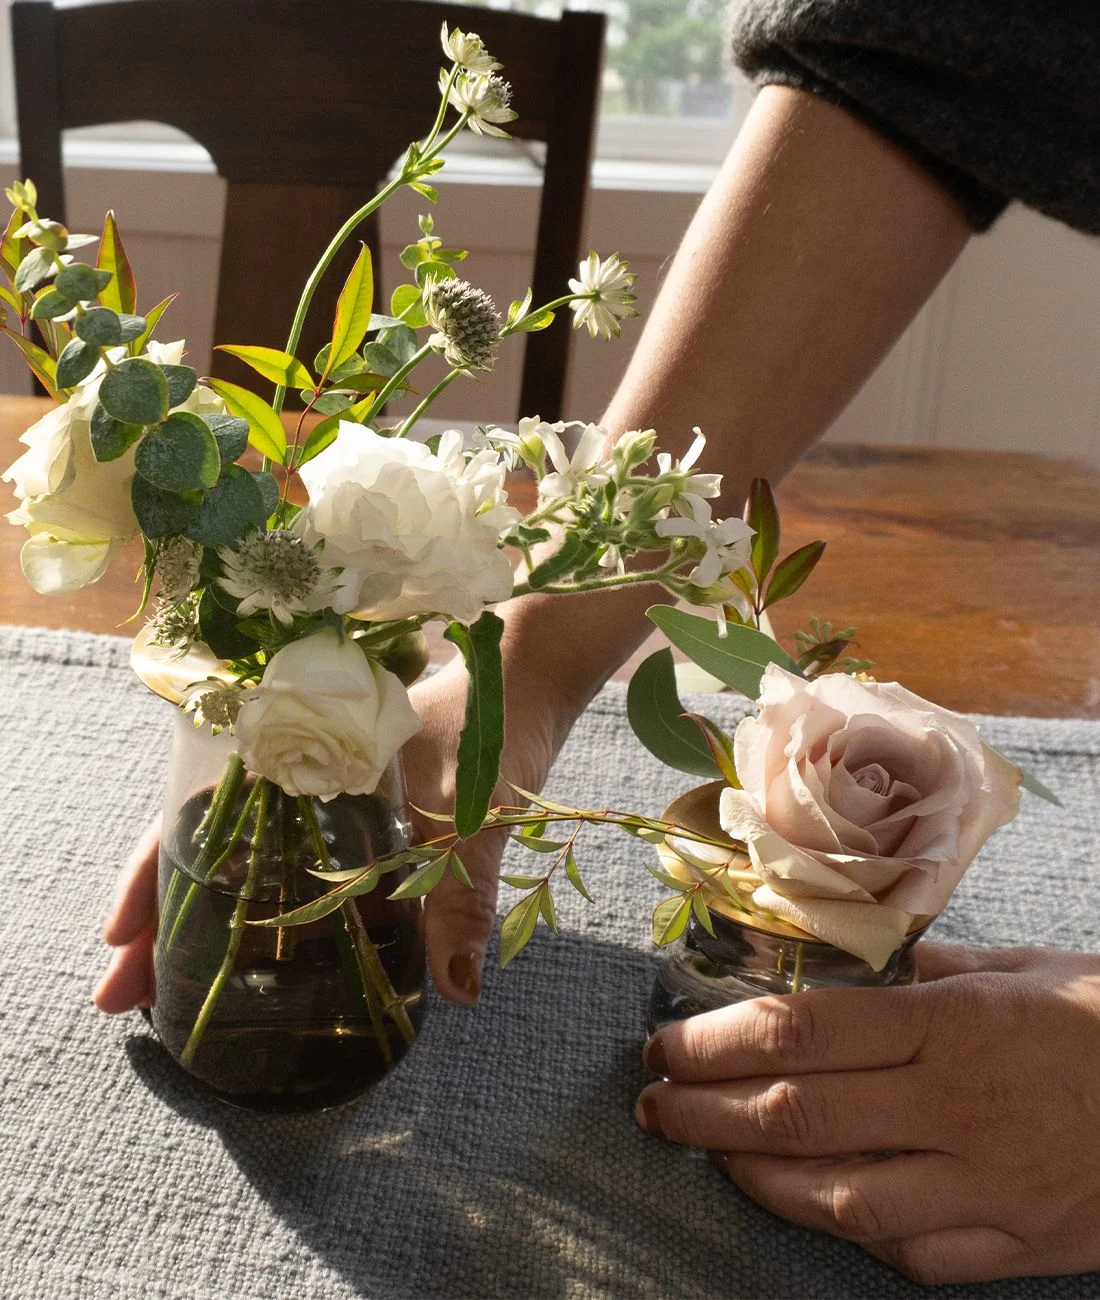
750	955
281	1018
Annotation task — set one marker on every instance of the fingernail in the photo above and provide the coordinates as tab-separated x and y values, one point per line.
645	1112
464	971
655	1058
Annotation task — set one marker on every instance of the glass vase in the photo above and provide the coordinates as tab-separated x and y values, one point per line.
281	1018
751	955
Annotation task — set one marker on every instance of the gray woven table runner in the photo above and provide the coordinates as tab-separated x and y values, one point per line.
501	1159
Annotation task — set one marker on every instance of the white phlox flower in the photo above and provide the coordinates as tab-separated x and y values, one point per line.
586	468
605	295
698	486
467	50
275	571
482	475
727	541
485	96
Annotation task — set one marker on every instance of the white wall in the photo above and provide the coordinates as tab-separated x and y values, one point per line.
1002	357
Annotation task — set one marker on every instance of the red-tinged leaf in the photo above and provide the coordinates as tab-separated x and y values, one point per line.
265	429
742	580
822	655
280	367
721	747
353	311
41	364
762	514
121	293
151	320
792	572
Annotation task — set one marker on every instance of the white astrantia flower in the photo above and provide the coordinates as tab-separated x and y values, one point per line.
325	720
175	624
275	571
215	702
690	485
467	50
485	96
466	322
414	532
77	509
586	468
605	295
727	541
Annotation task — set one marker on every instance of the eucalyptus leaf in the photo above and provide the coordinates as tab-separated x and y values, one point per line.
160	513
135	391
179	454
432	270
111	438
269	490
738	659
181	383
76	362
407	304
99	325
38	265
518	926
400	340
230	433
482	738
381	360
656	716
229	509
332	403
50	305
133	327
81	283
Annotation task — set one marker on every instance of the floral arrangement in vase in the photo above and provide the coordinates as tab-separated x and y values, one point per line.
288	629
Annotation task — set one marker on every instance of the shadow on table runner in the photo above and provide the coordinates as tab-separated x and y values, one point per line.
501	1159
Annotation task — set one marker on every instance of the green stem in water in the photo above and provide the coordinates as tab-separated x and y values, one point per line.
236	929
377	988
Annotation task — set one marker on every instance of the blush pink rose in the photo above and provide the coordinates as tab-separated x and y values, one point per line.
862	805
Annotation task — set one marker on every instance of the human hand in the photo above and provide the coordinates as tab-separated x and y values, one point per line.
458	920
982	1082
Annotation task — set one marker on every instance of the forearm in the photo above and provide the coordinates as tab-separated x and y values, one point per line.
814	248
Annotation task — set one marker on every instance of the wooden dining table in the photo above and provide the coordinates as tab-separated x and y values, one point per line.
972	577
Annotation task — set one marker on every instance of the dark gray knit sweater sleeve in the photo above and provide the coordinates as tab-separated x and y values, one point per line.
998	98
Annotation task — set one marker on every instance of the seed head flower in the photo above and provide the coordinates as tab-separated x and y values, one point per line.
603	295
275	571
467	50
175	624
466	322
178	563
485	96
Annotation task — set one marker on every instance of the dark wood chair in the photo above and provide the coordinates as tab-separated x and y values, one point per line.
304	107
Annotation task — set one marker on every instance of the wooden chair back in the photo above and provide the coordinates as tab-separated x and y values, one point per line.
304	108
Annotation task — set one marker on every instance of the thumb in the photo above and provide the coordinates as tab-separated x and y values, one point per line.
937	961
458	920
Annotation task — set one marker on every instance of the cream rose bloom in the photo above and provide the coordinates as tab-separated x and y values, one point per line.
325	720
862	806
413	532
77	509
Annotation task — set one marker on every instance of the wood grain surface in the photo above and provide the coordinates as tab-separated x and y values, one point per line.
973	577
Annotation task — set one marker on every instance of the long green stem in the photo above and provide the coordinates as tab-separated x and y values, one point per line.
411	420
597	584
236	930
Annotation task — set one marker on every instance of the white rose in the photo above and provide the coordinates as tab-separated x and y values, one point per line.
325	720
413	532
77	509
862	806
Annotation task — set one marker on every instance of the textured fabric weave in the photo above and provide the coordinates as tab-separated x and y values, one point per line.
500	1159
998	98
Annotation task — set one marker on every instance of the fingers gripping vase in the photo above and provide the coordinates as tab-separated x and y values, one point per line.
750	954
291	1017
